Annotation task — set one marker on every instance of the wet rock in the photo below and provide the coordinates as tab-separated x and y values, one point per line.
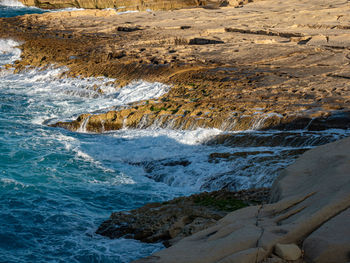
211	87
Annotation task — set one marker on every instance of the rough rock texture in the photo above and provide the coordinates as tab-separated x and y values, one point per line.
269	64
120	5
124	5
312	200
173	220
262	66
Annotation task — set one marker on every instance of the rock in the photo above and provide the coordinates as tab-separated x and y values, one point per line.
331	242
170	221
288	251
263	76
307	197
250	81
120	5
130	4
204	41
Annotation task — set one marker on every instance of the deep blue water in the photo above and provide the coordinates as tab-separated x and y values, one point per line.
57	186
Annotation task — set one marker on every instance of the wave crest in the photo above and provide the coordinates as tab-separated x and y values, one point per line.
12	3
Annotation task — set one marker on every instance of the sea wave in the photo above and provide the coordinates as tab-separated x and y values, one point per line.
9	51
61	98
11	3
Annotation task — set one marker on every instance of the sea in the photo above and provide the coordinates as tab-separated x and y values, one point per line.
57	186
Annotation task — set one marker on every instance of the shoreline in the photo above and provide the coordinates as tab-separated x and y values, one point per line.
220	74
212	89
170	221
306	220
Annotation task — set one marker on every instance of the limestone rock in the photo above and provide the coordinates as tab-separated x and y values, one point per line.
281	66
331	242
308	195
173	220
288	251
241	73
123	5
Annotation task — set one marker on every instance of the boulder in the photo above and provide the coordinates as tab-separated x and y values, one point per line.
288	251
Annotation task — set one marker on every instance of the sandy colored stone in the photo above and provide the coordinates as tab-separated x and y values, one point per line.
288	251
260	66
170	221
125	5
308	194
264	65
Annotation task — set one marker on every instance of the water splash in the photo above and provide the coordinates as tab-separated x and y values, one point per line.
64	99
57	186
82	127
9	52
11	3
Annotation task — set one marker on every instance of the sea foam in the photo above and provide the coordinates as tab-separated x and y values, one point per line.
63	99
11	3
9	51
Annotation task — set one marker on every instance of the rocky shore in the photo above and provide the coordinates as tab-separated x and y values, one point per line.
261	66
310	206
132	5
169	222
264	65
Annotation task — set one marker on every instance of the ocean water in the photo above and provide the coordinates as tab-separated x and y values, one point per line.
10	8
57	186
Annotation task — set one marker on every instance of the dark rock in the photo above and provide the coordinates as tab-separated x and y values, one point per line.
127	29
204	41
168	222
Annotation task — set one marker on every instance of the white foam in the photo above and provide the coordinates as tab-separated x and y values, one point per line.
12	3
9	52
69	9
12	182
74	145
179	159
192	137
64	99
173	157
127	12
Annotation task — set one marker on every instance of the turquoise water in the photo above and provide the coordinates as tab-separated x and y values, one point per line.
57	186
10	8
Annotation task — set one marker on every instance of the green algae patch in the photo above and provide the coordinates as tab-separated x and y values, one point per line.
229	204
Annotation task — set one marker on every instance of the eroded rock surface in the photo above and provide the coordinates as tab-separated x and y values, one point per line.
312	200
119	5
171	221
126	5
262	66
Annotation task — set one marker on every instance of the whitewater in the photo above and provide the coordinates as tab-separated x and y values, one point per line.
57	186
